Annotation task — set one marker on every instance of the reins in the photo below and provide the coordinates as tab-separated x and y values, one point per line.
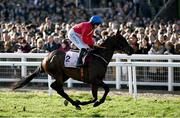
102	58
98	46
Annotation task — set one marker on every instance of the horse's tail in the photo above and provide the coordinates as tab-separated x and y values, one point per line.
25	80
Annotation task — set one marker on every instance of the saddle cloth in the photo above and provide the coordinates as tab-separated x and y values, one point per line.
71	58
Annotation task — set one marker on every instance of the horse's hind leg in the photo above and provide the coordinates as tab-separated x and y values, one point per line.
59	88
94	93
106	88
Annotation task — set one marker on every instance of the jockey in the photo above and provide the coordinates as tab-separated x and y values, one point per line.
81	35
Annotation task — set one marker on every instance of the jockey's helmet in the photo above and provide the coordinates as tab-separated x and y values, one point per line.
96	20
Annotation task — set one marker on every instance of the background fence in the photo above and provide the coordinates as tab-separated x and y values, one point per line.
148	70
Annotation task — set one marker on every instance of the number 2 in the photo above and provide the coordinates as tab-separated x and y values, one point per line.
67	58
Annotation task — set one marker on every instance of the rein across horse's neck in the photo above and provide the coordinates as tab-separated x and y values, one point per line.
105	54
102	58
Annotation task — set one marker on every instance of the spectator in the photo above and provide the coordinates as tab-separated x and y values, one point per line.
51	45
177	48
64	46
40	47
5	36
127	33
48	26
174	38
140	34
156	48
62	33
152	36
57	28
169	48
8	47
144	46
133	41
57	40
24	47
14	40
33	42
104	34
97	35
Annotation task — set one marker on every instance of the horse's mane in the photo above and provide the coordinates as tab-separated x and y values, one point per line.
102	44
109	41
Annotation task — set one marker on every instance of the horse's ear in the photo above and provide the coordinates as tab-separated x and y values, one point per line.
118	32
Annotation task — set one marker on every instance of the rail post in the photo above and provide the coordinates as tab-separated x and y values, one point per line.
69	83
134	83
118	75
170	76
23	68
130	77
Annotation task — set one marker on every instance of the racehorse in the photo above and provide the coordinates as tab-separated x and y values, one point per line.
91	73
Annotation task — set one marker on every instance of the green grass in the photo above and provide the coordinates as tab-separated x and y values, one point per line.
39	104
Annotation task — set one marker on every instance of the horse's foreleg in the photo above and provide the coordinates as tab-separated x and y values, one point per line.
106	88
61	92
94	93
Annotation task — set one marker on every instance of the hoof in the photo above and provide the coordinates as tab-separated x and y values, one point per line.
78	102
96	104
78	107
66	102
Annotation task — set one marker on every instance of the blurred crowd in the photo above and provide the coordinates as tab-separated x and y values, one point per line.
41	26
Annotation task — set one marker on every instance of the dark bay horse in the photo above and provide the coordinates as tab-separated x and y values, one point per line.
93	71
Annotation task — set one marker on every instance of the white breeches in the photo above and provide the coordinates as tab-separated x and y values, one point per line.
76	39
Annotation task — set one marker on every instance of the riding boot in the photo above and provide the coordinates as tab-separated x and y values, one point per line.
83	52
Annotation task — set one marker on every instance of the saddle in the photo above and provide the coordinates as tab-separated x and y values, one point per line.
71	58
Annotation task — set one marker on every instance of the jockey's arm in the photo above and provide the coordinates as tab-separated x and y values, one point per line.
87	34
